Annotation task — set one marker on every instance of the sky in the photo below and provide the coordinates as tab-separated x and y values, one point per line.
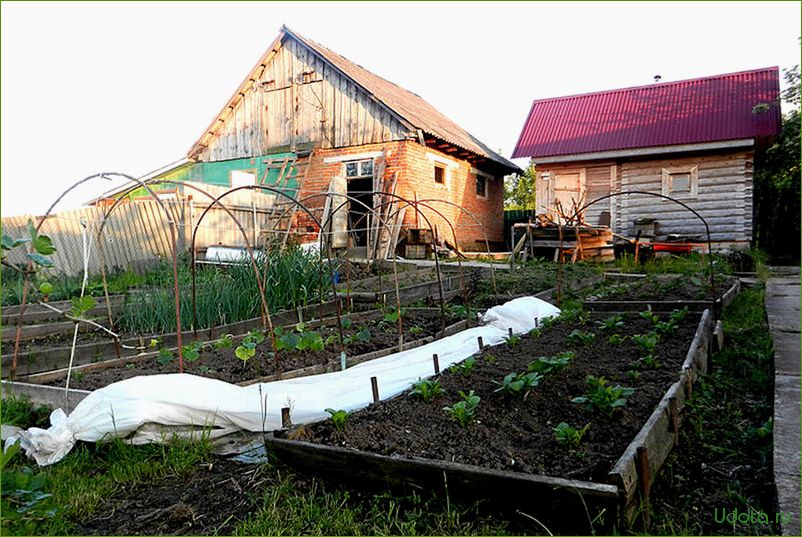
128	87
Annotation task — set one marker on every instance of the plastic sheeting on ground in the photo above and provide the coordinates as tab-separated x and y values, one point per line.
151	408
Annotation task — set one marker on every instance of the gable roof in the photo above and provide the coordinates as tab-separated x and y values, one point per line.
406	106
709	109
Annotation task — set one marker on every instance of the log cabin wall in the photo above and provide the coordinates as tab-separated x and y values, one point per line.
298	101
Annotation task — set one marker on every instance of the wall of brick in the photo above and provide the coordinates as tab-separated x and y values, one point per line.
414	165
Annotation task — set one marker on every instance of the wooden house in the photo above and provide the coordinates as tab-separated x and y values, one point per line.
695	141
306	109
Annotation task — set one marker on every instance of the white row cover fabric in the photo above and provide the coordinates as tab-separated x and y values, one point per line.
151	408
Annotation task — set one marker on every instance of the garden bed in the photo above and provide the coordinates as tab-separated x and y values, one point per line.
368	335
510	451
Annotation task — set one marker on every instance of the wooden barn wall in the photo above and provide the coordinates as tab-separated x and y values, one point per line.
598	178
299	100
724	196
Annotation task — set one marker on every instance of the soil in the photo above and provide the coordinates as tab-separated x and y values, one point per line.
211	500
515	433
661	288
406	278
222	364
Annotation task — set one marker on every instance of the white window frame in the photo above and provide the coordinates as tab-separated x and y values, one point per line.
359	166
693	187
448	166
487	177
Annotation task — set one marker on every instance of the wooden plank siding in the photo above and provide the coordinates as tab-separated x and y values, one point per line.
724	196
299	100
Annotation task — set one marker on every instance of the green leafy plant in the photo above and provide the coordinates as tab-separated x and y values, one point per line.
489	358
577	337
464	412
391	315
165	356
601	397
650	316
567	436
611	324
81	305
415	330
46	288
346	323
339	418
513	340
650	361
616	339
363	335
545	365
225	342
633	375
465	367
647	342
427	389
247	349
191	352
677	316
518	383
24	490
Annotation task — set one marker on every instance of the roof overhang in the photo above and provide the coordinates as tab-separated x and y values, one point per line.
645	151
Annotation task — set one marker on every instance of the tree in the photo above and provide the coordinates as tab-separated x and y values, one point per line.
777	184
519	190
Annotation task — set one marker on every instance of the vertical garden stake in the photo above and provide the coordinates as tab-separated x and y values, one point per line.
374	385
481	343
509	331
436	361
343	361
286	422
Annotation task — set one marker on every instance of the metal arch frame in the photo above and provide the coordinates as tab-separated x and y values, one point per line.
661	196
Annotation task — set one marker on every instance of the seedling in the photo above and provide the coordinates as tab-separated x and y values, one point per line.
164	357
512	340
204	369
601	397
633	375
536	332
191	352
346	323
545	365
665	328
427	390
392	315
363	336
489	358
650	316
616	339
677	316
465	367
415	330
155	343
567	436
46	288
130	366
650	361
80	306
611	324
577	337
225	342
339	418
464	411
247	349
518	383
647	342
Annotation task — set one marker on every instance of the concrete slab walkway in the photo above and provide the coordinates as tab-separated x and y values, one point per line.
782	309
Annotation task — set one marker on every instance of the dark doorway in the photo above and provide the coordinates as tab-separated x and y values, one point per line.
360	189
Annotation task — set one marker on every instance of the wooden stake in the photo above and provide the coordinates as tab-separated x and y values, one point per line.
374	385
537	322
141	345
436	361
481	344
509	331
673	418
286	422
642	461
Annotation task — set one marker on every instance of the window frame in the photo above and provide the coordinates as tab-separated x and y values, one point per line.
487	178
444	169
693	181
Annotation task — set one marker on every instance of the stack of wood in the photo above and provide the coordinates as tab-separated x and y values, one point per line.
574	243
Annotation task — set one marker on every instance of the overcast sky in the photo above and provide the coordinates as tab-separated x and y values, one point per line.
89	87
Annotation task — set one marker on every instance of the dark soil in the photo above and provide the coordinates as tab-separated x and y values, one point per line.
406	278
671	288
222	364
514	433
211	500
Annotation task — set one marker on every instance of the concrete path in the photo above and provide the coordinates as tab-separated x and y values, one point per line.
782	308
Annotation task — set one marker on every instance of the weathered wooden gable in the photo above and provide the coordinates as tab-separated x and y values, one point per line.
295	99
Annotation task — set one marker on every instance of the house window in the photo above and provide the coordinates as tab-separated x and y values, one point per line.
359	168
683	180
481	186
439	174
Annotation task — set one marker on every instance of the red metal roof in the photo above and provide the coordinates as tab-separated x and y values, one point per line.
709	109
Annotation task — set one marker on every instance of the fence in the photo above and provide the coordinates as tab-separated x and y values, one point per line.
138	233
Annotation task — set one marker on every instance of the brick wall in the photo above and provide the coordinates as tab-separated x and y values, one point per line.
414	165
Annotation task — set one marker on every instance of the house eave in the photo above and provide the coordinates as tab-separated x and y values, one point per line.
645	151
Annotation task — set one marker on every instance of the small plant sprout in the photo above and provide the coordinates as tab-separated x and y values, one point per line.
611	324
191	352
650	316
518	383
616	339
633	375
489	358
225	342
339	418
427	390
346	323
650	361
464	412
512	339
647	342
601	397
81	306
362	335
247	349
545	365
164	357
415	330
577	337
567	436
465	367
677	316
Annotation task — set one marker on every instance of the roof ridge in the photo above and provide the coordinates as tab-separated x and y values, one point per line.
654	85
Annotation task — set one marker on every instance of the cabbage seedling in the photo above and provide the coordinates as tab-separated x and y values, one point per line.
465	367
427	390
464	412
611	324
601	397
567	436
577	337
339	418
647	342
544	365
518	383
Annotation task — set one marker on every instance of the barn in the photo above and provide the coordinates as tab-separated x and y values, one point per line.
696	141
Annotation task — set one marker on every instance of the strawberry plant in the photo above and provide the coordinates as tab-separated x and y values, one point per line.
545	365
611	324
427	390
577	337
601	397
464	412
518	383
567	436
339	418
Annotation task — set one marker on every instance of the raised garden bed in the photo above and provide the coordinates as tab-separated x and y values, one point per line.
510	454
379	337
412	285
623	292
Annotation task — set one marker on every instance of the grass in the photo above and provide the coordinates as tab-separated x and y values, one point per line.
66	287
20	412
723	460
